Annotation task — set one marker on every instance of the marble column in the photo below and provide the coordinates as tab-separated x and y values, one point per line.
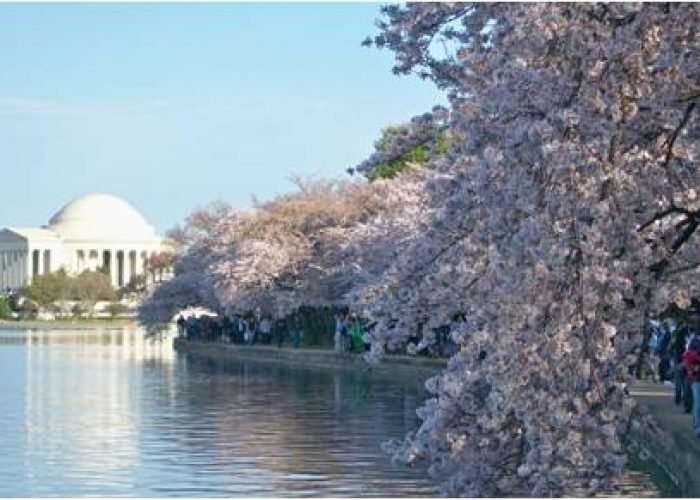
113	268
46	259
119	261
131	262
13	269
139	263
26	268
39	263
3	270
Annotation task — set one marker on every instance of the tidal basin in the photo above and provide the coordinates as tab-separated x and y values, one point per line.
109	412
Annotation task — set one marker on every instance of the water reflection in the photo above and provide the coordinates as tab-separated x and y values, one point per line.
82	415
114	413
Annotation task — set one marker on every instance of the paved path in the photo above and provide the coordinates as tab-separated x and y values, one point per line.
658	398
674	446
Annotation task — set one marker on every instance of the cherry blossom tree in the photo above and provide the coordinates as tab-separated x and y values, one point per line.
565	211
307	248
192	284
310	247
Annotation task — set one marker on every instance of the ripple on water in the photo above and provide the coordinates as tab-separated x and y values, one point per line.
116	415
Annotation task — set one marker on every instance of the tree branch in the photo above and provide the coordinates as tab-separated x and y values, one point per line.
672	140
673	209
683	269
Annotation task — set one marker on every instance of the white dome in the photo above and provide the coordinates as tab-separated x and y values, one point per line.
101	217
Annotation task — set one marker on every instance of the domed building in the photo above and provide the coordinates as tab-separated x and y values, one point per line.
91	232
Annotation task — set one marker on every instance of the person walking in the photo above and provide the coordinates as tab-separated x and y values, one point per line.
691	363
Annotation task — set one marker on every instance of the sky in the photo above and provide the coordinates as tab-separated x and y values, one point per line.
173	106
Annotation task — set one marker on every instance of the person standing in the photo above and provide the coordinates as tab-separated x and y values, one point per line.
681	393
265	328
181	326
356	335
691	363
280	328
249	335
667	333
338	337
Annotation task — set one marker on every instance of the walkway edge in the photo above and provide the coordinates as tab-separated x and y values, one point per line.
320	358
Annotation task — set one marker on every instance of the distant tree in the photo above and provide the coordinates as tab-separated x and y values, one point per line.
136	285
91	286
159	263
198	224
45	289
192	284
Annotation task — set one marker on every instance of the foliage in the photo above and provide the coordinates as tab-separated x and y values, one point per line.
401	147
298	250
136	285
192	283
158	263
45	289
198	224
89	287
5	309
568	210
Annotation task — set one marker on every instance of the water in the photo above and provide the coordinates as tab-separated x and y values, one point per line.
110	413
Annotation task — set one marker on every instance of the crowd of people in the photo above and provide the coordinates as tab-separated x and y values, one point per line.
244	330
347	334
675	351
674	348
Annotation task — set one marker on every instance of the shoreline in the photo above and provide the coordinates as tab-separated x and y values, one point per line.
83	324
326	359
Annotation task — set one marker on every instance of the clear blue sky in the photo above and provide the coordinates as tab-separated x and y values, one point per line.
171	106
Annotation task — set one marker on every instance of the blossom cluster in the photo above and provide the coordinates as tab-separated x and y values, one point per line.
305	248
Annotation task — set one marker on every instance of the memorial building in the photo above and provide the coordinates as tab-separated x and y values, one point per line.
96	231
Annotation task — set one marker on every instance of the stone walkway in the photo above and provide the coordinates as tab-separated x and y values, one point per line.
673	445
